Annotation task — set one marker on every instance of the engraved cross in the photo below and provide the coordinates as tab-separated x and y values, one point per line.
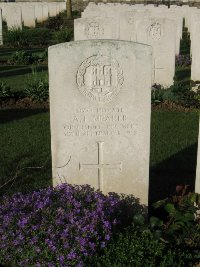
155	68
100	166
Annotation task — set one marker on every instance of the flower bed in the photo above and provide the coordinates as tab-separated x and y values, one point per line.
56	226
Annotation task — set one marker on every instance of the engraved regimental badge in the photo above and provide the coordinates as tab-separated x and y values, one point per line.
131	17
94	31
100	78
155	31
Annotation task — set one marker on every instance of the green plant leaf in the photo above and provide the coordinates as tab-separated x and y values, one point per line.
169	207
155	222
139	219
193	197
189	216
159	203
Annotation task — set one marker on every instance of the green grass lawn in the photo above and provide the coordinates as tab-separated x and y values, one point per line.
18	82
6	53
25	143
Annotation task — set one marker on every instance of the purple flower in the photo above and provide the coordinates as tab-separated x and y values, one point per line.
22	223
71	255
61	259
107	237
103	244
64	224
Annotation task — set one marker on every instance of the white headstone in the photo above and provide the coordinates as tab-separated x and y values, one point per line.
52	9
94	28
128	23
28	15
197	183
39	12
160	34
195	41
62	6
141	26
100	130
177	24
45	12
13	15
1	28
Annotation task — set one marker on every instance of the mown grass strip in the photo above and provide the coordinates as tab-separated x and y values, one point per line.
25	142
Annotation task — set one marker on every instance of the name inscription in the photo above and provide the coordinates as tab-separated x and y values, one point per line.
99	122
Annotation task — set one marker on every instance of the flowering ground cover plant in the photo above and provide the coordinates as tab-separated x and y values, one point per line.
57	226
183	60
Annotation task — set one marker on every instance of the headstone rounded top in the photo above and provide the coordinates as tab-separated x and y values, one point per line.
107	78
101	43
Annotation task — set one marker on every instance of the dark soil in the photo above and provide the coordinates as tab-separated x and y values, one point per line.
171	106
23	103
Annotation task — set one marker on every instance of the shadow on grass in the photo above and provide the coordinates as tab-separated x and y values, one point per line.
177	169
22	70
17	114
182	74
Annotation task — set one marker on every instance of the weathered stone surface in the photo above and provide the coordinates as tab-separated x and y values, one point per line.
45	12
197	183
144	27
94	28
28	15
195	41
13	15
52	9
38	12
159	34
100	130
1	31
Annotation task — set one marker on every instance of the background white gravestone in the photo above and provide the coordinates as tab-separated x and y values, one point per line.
1	28
195	41
160	34
177	22
94	28
62	6
52	9
128	23
13	15
45	12
28	15
197	183
100	130
38	12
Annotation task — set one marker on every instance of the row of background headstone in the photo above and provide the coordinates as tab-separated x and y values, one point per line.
132	23
22	13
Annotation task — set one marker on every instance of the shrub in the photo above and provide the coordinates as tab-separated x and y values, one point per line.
139	248
43	56
17	37
26	58
56	226
159	94
40	36
37	88
4	90
63	35
182	223
179	93
22	57
55	22
183	60
170	241
27	37
185	42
